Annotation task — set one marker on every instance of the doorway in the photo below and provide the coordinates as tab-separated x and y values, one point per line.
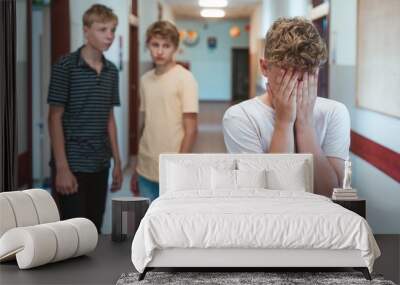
240	74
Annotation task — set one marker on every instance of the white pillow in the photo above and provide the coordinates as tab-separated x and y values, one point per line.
181	177
235	179
282	174
293	179
251	178
223	179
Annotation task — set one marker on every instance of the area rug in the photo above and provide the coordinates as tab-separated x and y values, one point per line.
244	278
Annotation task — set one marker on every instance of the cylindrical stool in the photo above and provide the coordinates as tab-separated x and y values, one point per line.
127	212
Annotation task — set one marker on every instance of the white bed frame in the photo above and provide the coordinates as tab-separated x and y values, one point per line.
234	257
250	258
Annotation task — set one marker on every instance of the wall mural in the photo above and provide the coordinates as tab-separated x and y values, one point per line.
189	38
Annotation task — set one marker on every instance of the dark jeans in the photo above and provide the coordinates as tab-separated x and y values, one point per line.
90	200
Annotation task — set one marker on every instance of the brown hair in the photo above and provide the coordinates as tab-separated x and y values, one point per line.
295	42
164	29
98	13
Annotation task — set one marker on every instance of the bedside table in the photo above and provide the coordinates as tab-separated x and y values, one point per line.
358	206
127	212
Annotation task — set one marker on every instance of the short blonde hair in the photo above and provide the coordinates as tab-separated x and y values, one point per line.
98	13
164	29
296	43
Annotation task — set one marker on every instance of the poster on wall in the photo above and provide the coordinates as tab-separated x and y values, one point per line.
212	42
378	57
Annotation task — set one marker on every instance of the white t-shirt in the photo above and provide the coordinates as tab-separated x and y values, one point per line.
248	127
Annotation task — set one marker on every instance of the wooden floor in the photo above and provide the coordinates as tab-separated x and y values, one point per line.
106	264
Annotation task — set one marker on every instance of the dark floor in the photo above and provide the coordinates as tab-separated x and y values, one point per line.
110	260
389	262
103	266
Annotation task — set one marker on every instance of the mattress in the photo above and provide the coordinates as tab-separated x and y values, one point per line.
251	219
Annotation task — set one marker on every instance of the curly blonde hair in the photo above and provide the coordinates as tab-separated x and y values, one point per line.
295	43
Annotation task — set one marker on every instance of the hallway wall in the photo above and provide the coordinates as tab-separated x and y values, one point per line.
41	69
381	191
212	68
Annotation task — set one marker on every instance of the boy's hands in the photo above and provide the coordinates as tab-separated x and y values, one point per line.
134	184
306	96
295	100
117	178
284	100
66	183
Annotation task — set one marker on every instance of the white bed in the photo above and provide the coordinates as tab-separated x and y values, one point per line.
200	223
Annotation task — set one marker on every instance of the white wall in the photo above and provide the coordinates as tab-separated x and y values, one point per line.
122	9
381	191
272	9
41	69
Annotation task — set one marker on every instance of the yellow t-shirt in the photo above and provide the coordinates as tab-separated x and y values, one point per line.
163	99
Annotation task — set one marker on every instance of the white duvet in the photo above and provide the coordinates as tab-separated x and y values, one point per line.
252	218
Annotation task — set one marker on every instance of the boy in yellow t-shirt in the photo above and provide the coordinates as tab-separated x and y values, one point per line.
168	108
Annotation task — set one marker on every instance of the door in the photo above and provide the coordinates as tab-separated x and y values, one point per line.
322	24
133	85
323	80
24	92
240	74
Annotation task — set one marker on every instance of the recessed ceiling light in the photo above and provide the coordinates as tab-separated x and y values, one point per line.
213	3
212	13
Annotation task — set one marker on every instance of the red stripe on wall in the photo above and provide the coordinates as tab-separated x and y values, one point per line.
383	158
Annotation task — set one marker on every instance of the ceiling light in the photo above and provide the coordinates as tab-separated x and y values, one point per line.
213	3
212	13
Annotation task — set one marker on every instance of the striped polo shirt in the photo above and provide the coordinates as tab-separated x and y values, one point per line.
87	98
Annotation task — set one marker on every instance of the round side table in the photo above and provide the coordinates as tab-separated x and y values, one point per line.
127	212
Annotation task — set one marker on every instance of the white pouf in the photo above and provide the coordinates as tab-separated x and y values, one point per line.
31	233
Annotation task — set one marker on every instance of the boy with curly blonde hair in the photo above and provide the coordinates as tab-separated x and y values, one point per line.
289	117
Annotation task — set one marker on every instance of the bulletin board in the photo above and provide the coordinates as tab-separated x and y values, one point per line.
378	56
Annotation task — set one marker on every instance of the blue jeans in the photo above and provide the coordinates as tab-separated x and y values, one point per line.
147	188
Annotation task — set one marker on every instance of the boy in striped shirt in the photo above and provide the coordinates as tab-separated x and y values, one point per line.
83	91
